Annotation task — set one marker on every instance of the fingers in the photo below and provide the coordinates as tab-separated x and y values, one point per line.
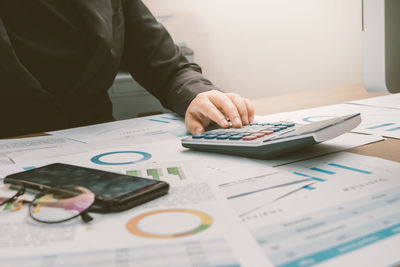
218	107
193	125
250	109
241	107
211	110
223	103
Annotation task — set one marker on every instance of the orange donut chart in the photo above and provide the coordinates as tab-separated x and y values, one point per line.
133	225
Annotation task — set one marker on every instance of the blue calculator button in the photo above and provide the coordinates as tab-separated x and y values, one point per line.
209	136
236	137
223	137
199	136
289	124
275	129
276	123
282	127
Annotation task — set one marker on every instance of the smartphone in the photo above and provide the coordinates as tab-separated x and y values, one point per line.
114	192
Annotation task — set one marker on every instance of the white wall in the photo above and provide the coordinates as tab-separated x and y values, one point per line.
269	47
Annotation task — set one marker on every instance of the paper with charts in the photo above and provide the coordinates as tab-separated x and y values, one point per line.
248	196
191	226
350	216
375	120
171	150
339	209
145	128
32	144
166	159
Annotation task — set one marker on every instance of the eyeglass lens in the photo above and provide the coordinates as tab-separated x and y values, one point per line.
58	205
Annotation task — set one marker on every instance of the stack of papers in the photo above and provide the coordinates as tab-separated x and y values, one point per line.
318	206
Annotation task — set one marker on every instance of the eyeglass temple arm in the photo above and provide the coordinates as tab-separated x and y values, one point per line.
86	217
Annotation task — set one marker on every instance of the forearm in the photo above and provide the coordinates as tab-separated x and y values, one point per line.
155	62
184	86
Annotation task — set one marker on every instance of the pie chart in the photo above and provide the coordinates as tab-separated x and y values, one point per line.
169	223
120	157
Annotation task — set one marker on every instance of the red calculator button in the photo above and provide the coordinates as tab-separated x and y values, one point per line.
267	132
259	134
249	137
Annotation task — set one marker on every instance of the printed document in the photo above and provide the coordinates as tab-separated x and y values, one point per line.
351	211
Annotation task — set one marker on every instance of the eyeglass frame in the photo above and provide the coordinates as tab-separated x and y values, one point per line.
22	190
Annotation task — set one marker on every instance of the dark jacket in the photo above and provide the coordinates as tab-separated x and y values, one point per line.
58	58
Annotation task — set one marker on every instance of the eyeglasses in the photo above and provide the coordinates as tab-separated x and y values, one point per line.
54	205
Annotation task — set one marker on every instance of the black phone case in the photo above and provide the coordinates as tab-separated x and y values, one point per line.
51	176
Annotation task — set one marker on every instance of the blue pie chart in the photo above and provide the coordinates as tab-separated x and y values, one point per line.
98	159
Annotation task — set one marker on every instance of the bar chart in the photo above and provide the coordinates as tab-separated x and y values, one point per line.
328	171
163	173
353	204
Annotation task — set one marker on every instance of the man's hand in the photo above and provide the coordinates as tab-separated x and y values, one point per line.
218	107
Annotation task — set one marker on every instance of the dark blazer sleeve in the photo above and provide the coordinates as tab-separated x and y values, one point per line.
155	62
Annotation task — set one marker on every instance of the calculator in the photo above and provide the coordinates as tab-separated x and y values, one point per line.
268	140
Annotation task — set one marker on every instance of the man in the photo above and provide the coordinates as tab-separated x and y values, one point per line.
59	57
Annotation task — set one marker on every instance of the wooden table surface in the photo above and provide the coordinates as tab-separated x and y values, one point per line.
387	149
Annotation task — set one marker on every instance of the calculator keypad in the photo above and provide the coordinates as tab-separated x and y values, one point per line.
268	140
252	132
